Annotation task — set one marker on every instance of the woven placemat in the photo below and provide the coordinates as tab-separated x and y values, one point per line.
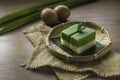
72	71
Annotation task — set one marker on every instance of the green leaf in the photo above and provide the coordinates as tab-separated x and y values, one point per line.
80	26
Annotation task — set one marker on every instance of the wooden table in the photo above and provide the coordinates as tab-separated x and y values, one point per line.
15	48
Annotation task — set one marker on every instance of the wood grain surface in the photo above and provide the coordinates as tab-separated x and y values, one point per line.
15	48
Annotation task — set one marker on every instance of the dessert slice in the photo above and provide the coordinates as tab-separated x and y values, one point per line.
78	38
65	35
81	41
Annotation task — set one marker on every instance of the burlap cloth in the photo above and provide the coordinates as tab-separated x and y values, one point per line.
106	66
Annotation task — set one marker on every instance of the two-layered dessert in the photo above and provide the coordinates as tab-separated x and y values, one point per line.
78	37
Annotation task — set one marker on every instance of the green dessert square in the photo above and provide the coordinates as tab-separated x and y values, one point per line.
80	38
65	34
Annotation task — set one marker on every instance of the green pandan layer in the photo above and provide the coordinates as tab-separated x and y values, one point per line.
65	34
80	38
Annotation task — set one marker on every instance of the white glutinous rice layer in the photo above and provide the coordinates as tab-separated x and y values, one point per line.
65	43
81	49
